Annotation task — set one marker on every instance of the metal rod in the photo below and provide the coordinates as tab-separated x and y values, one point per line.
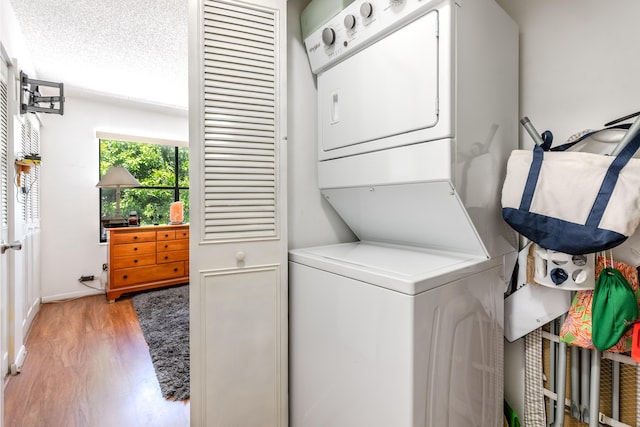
608	421
615	390
552	373
561	383
635	127
594	398
618	357
550	336
533	133
622	119
585	368
575	382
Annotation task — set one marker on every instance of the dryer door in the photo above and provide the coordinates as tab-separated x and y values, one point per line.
388	89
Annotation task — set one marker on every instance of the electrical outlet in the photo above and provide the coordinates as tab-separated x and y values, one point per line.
86	278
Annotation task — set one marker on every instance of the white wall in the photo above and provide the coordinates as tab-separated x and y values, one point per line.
69	173
578	70
11	39
312	221
578	67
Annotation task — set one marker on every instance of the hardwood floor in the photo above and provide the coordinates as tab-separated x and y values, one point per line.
87	365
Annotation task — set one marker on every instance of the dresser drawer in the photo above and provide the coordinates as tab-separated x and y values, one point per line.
165	235
182	234
133	237
130	249
134	261
131	276
173	245
172	256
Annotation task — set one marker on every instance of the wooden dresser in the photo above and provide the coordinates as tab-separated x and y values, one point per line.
147	257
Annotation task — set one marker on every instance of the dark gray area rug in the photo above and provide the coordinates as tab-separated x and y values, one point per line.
164	319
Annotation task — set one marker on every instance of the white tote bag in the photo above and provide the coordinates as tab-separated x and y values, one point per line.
573	202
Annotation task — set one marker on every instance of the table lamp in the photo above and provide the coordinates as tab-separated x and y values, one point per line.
117	177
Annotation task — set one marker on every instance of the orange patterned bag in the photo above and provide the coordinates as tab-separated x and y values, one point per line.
576	329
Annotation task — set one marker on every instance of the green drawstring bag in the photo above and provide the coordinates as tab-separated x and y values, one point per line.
614	308
510	416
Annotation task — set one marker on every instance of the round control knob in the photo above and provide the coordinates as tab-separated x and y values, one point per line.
366	9
240	256
328	36
350	22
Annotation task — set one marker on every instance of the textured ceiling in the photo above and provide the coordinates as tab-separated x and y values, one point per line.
132	49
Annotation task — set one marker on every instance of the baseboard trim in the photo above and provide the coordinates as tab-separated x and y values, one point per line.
72	295
5	365
16	367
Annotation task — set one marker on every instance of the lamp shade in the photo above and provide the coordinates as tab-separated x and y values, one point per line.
118	177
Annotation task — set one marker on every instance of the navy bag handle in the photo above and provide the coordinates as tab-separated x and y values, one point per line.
610	179
606	188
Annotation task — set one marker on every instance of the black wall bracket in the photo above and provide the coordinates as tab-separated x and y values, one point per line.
30	97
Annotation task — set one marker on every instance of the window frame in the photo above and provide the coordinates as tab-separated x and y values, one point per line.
176	188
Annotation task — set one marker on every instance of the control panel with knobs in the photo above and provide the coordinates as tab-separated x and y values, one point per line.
328	36
366	10
349	22
360	24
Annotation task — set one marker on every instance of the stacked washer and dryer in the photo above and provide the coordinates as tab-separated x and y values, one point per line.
417	114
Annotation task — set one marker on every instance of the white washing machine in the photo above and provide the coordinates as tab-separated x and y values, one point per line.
417	114
384	336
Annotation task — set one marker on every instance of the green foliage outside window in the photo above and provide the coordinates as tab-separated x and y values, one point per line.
162	171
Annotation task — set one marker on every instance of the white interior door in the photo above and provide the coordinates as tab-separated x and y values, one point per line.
238	261
4	143
23	234
19	223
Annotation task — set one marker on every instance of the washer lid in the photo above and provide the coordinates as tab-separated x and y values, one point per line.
424	214
404	269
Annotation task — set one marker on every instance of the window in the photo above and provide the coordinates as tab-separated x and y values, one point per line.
163	172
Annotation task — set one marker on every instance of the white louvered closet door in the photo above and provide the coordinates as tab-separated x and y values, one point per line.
238	261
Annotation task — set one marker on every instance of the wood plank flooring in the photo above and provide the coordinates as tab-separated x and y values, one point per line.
88	364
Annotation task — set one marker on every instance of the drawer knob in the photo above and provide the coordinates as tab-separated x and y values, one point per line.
135	237
175	269
240	256
166	235
125	276
135	260
135	249
166	257
166	246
